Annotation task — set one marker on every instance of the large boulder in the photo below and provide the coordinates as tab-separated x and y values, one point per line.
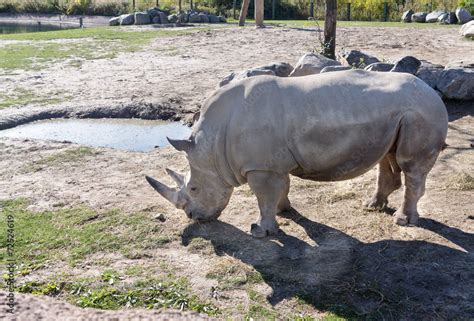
467	30
280	69
142	18
463	15
183	17
457	83
430	73
153	13
204	17
419	17
334	68
433	16
163	18
245	74
222	19
407	64
379	66
312	63
357	59
448	18
173	18
213	18
194	17
127	19
114	21
406	17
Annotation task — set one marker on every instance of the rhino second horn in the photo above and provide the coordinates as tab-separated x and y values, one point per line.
178	178
183	145
170	194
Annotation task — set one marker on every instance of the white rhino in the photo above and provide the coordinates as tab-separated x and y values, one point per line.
325	127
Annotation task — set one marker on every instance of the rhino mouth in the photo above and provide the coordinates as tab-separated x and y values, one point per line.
203	218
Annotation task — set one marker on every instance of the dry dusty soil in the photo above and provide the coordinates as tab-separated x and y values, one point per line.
331	257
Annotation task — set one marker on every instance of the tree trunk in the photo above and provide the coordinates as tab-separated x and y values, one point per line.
179	6
330	30
259	13
243	12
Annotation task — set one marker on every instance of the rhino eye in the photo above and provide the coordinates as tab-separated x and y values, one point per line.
193	189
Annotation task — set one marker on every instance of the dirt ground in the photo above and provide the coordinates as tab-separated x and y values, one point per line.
331	255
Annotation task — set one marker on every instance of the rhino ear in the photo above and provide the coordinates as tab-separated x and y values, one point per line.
183	145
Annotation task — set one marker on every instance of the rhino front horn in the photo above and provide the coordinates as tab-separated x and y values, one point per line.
178	178
170	194
183	145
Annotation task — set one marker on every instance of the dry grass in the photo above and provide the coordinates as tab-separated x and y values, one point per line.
461	182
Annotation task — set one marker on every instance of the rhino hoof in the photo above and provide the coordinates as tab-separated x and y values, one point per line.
375	203
405	219
257	231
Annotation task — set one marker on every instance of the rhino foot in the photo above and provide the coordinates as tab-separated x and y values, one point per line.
376	203
259	232
404	219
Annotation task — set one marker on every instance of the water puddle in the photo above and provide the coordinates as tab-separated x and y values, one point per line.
124	134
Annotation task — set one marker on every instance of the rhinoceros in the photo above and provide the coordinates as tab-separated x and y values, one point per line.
324	127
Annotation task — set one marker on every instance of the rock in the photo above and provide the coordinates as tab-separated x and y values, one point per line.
204	17
114	21
156	20
427	64
463	15
142	18
153	13
406	17
334	68
457	83
467	29
213	18
163	18
160	217
222	19
407	64
312	63
419	17
443	18
433	16
280	69
379	66
193	18
448	18
429	75
245	74
357	59
183	18
173	18
127	19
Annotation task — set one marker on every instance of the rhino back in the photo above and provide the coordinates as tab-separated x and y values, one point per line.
326	127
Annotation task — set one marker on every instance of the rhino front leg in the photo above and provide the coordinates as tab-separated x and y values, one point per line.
269	187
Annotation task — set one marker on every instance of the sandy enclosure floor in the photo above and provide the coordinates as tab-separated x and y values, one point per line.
330	246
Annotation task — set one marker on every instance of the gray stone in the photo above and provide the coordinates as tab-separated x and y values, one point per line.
280	69
183	18
357	59
433	16
467	30
334	68
142	18
156	20
429	75
457	83
468	63
419	17
173	18
245	74
312	63
406	17
379	66
463	15
407	64
213	18
127	19
153	13
204	17
114	21
193	18
163	18
222	19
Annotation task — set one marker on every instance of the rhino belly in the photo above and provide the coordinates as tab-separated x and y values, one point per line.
326	153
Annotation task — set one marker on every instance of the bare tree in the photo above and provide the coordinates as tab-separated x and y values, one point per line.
259	6
329	49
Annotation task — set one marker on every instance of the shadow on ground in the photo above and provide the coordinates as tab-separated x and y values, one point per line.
389	279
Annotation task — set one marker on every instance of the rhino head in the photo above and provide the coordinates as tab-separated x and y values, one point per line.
201	193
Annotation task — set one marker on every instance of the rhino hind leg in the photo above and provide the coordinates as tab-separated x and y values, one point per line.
388	181
269	188
284	204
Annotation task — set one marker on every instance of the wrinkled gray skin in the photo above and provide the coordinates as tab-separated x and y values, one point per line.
326	127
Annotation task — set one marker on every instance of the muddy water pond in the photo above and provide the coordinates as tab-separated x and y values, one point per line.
123	134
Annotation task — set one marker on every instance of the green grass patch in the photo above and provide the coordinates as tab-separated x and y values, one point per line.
23	96
70	235
39	50
145	293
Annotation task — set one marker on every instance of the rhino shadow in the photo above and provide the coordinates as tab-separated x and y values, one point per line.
389	279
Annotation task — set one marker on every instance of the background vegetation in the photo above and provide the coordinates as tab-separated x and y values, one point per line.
367	10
